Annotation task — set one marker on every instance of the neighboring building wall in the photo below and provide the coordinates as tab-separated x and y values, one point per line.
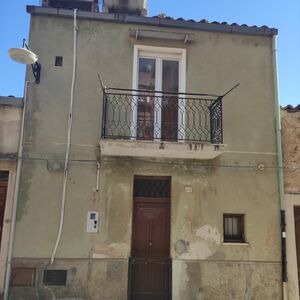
97	264
290	121
10	121
10	116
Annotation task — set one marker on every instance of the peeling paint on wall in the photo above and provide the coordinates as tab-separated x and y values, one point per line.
113	250
198	250
209	233
181	246
208	239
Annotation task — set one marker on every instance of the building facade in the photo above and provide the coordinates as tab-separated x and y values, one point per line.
10	122
290	137
142	178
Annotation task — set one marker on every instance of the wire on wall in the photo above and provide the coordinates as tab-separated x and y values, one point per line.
70	122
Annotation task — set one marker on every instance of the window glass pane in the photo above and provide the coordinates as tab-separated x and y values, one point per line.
170	83
226	227
235	229
146	74
170	76
145	116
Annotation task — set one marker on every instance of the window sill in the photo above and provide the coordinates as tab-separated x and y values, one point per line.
235	244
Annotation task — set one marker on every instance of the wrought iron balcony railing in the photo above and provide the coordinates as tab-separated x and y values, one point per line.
161	116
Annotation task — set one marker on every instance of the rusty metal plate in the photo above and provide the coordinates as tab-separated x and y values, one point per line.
23	277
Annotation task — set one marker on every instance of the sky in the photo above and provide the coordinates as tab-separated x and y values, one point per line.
283	15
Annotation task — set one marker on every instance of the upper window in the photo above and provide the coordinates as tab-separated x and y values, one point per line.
4	175
159	70
58	61
233	228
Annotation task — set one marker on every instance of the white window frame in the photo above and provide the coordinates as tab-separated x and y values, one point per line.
160	53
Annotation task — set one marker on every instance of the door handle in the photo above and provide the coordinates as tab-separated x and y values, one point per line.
150	244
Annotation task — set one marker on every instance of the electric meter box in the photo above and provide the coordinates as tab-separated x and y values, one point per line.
92	222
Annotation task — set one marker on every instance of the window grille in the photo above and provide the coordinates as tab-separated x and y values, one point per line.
55	277
153	187
234	228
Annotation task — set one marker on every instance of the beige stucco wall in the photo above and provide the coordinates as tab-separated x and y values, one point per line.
291	154
230	183
9	166
210	60
293	286
10	122
291	142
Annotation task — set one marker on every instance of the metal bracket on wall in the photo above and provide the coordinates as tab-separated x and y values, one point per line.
36	67
162	35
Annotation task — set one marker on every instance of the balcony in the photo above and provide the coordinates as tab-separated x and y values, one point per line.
161	124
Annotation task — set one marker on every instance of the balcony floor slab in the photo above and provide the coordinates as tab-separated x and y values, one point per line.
157	149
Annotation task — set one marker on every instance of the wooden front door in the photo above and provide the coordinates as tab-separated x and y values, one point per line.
150	263
3	191
297	236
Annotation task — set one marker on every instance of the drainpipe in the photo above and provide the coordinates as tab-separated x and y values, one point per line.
15	198
280	171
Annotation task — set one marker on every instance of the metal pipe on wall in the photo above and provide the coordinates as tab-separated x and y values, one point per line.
16	197
280	171
98	176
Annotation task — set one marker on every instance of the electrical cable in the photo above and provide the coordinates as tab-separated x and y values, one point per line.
70	122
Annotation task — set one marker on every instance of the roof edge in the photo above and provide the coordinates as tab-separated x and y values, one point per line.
155	21
11	101
291	108
9	156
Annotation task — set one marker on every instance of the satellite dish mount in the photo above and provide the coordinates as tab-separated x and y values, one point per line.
25	56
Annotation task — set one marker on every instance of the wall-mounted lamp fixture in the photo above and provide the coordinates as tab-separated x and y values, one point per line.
25	56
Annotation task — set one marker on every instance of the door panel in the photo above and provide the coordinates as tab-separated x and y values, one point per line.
297	236
3	192
150	264
150	279
151	230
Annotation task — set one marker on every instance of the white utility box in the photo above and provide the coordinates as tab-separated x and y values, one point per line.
92	222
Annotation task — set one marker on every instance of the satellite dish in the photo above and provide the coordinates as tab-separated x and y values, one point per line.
23	56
